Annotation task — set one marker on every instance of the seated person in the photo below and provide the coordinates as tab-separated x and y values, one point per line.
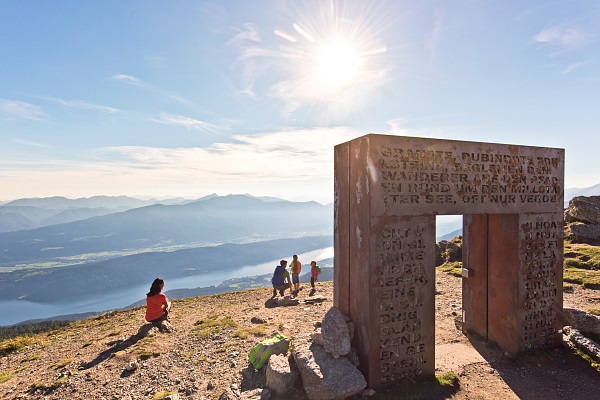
157	304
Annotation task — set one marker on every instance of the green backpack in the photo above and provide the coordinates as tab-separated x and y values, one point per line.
260	353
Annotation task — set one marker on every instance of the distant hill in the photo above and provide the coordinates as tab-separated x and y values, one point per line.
220	219
450	235
34	213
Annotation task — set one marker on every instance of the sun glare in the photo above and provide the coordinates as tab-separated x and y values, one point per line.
338	63
334	61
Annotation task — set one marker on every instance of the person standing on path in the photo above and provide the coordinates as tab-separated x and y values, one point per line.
296	267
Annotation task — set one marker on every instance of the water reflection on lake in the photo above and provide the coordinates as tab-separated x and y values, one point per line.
14	311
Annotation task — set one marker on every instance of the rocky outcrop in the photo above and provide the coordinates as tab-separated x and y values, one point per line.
281	375
323	376
574	339
448	251
582	321
582	219
336	335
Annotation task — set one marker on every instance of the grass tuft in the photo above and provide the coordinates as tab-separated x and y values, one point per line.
4	376
213	324
594	364
257	331
586	278
162	394
453	268
15	344
63	363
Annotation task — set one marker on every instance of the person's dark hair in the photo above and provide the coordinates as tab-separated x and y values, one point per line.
156	287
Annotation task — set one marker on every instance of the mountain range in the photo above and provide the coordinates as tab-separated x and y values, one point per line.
83	246
211	220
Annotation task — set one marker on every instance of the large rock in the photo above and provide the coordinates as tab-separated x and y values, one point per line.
583	220
325	377
447	252
335	333
575	339
281	376
582	321
585	233
584	209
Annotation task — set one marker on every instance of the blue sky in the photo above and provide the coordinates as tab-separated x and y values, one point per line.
187	98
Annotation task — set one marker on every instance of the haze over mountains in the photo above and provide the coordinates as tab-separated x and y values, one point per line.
221	219
58	249
128	242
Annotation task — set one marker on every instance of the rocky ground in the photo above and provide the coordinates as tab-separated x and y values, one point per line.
207	351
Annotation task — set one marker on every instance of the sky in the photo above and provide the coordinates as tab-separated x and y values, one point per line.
188	98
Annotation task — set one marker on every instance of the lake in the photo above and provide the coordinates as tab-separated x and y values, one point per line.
15	311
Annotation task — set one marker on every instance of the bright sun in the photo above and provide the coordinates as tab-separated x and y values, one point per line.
338	64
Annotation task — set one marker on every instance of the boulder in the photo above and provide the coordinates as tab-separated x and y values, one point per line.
281	375
323	376
582	217
573	338
335	333
584	209
584	233
447	251
252	378
582	321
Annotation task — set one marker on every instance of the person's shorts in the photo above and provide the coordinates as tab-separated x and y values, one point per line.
295	278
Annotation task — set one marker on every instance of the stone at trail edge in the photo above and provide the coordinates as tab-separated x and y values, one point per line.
325	377
281	376
335	333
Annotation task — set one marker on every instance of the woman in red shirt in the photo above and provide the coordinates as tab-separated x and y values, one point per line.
157	304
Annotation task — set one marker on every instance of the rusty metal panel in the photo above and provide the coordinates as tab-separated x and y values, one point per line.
475	286
503	278
341	228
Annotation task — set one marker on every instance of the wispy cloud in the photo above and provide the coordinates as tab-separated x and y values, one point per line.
291	161
572	67
17	109
253	58
186	122
128	79
137	82
30	143
562	38
293	154
83	105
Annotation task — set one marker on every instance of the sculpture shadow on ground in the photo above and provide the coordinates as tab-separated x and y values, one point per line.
553	372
